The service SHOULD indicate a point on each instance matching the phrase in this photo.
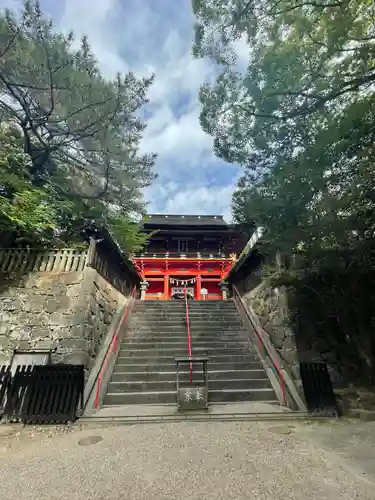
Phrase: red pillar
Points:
(166, 287)
(199, 286)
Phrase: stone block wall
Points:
(104, 302)
(271, 307)
(69, 311)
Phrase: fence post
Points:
(91, 252)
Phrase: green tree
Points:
(297, 117)
(78, 130)
(23, 207)
(128, 234)
(304, 57)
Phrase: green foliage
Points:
(298, 117)
(30, 211)
(14, 163)
(70, 147)
(128, 234)
(22, 206)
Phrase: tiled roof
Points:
(185, 220)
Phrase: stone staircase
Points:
(145, 370)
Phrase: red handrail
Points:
(261, 335)
(112, 348)
(188, 336)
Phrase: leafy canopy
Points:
(297, 116)
(76, 133)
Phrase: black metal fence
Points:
(41, 394)
(5, 377)
(319, 394)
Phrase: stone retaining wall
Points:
(70, 312)
(272, 307)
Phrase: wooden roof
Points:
(160, 220)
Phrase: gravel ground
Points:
(243, 460)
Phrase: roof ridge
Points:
(182, 216)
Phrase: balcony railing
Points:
(184, 255)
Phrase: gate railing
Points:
(41, 394)
(5, 377)
(319, 393)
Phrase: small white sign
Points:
(181, 290)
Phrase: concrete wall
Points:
(69, 311)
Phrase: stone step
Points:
(181, 318)
(181, 330)
(182, 310)
(178, 337)
(178, 303)
(169, 365)
(145, 369)
(132, 336)
(226, 308)
(174, 340)
(202, 325)
(181, 323)
(215, 396)
(182, 351)
(170, 385)
(119, 376)
(200, 341)
(182, 344)
(182, 334)
(181, 307)
(178, 313)
(217, 336)
(156, 360)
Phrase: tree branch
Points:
(306, 4)
(10, 43)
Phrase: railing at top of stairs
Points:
(286, 389)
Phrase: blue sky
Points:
(154, 36)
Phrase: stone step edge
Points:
(151, 393)
(249, 356)
(187, 371)
(171, 339)
(172, 349)
(182, 344)
(253, 362)
(216, 381)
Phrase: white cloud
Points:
(91, 18)
(179, 135)
(242, 49)
(202, 200)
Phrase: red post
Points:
(199, 287)
(166, 287)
